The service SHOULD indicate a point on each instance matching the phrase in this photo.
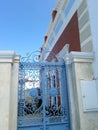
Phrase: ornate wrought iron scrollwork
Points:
(40, 92)
(31, 57)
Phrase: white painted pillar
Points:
(93, 15)
(8, 90)
(79, 67)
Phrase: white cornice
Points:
(79, 57)
(8, 56)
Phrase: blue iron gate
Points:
(42, 96)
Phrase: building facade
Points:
(74, 23)
(72, 35)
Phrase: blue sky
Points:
(24, 23)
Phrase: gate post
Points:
(79, 68)
(8, 90)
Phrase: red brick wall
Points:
(69, 36)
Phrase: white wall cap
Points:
(79, 57)
(8, 56)
(83, 55)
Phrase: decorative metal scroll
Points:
(42, 93)
(31, 57)
(35, 56)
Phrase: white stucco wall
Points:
(93, 9)
(79, 68)
(8, 90)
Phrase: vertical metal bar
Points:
(43, 97)
(60, 80)
(62, 86)
(46, 86)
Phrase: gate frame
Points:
(59, 63)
